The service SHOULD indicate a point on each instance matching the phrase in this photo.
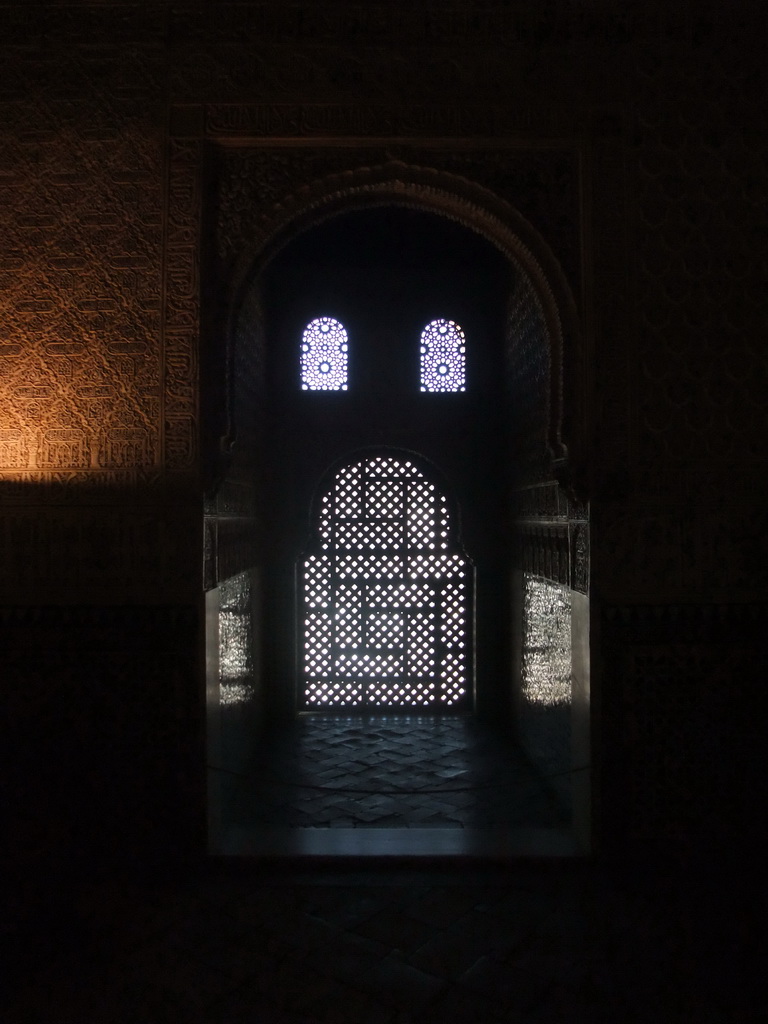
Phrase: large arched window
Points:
(443, 352)
(324, 350)
(386, 594)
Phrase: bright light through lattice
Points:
(324, 350)
(443, 353)
(386, 601)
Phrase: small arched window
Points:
(324, 346)
(443, 351)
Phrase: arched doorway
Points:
(501, 434)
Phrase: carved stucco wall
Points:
(235, 436)
(528, 369)
(684, 508)
(657, 218)
(98, 316)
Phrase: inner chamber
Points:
(368, 560)
(384, 643)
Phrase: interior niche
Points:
(385, 260)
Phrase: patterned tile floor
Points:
(392, 771)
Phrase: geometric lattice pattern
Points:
(544, 724)
(546, 666)
(443, 350)
(386, 600)
(324, 347)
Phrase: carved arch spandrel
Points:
(469, 204)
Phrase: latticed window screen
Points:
(386, 603)
(443, 352)
(324, 349)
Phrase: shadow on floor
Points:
(334, 784)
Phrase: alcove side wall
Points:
(551, 645)
(235, 686)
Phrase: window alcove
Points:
(417, 308)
